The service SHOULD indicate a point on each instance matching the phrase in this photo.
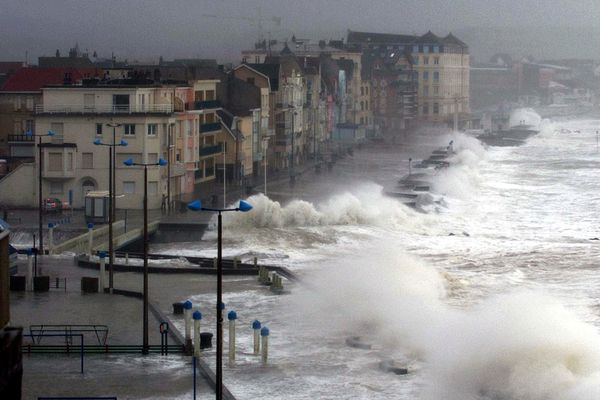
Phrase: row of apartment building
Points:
(284, 104)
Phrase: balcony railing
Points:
(210, 150)
(207, 104)
(21, 138)
(103, 109)
(214, 126)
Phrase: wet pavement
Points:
(152, 376)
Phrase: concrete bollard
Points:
(90, 238)
(126, 258)
(264, 333)
(197, 316)
(256, 328)
(277, 285)
(231, 316)
(50, 237)
(102, 275)
(215, 263)
(187, 315)
(29, 272)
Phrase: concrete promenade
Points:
(126, 376)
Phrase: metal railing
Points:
(103, 109)
(21, 138)
(202, 105)
(210, 150)
(215, 126)
(42, 330)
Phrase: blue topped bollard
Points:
(187, 315)
(264, 333)
(197, 316)
(256, 327)
(231, 316)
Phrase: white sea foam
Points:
(524, 116)
(364, 206)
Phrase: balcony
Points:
(62, 174)
(210, 150)
(177, 169)
(103, 109)
(211, 127)
(208, 104)
(20, 139)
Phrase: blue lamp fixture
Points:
(129, 163)
(112, 158)
(243, 206)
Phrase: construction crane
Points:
(259, 20)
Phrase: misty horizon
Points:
(144, 30)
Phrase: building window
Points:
(436, 90)
(436, 108)
(57, 128)
(362, 106)
(436, 76)
(152, 129)
(425, 75)
(436, 49)
(69, 161)
(29, 125)
(425, 60)
(436, 60)
(87, 160)
(98, 129)
(425, 108)
(129, 129)
(362, 120)
(129, 187)
(425, 90)
(56, 187)
(250, 80)
(415, 49)
(29, 104)
(55, 162)
(178, 155)
(362, 91)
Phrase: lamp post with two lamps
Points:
(40, 202)
(129, 162)
(243, 207)
(111, 194)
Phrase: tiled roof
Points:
(451, 39)
(378, 38)
(429, 38)
(271, 71)
(33, 79)
(10, 67)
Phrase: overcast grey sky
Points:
(141, 29)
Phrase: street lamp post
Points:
(129, 162)
(265, 143)
(40, 202)
(112, 162)
(292, 175)
(244, 207)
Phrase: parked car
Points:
(52, 205)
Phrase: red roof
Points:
(10, 67)
(34, 79)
